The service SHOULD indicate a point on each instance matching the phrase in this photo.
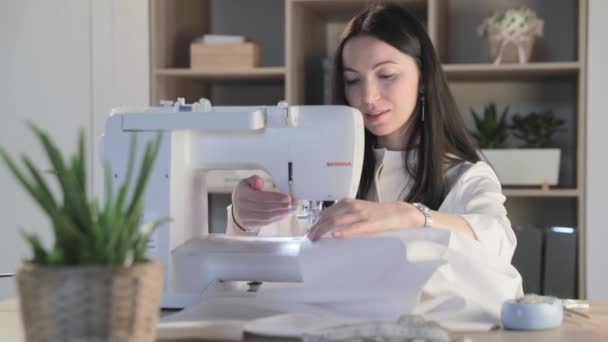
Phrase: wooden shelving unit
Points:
(541, 193)
(511, 72)
(555, 78)
(261, 73)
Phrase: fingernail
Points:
(336, 234)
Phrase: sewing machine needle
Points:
(290, 183)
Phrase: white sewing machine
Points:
(312, 152)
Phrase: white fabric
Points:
(475, 195)
(444, 276)
(459, 282)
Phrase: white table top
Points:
(10, 322)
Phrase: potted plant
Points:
(533, 163)
(537, 130)
(94, 283)
(511, 34)
(492, 131)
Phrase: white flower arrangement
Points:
(512, 27)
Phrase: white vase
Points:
(524, 166)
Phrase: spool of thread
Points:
(532, 312)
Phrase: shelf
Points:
(261, 73)
(541, 193)
(511, 72)
(557, 79)
(346, 9)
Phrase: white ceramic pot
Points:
(525, 166)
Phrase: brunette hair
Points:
(442, 137)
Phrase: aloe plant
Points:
(85, 232)
(492, 131)
(536, 129)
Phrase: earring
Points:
(422, 106)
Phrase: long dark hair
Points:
(442, 137)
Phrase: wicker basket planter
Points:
(511, 34)
(503, 50)
(90, 303)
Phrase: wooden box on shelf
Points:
(241, 55)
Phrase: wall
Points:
(121, 63)
(46, 77)
(597, 158)
(64, 65)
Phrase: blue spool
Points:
(546, 314)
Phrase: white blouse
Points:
(475, 194)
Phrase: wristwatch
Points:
(428, 219)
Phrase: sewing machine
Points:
(311, 152)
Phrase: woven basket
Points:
(90, 303)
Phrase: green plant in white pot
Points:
(533, 164)
(537, 130)
(492, 132)
(94, 283)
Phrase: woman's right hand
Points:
(254, 207)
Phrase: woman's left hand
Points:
(351, 217)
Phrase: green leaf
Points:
(68, 237)
(82, 159)
(141, 241)
(74, 200)
(55, 257)
(536, 129)
(40, 254)
(476, 117)
(53, 153)
(84, 232)
(109, 186)
(47, 200)
(150, 155)
(122, 193)
(12, 166)
(492, 131)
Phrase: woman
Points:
(420, 165)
